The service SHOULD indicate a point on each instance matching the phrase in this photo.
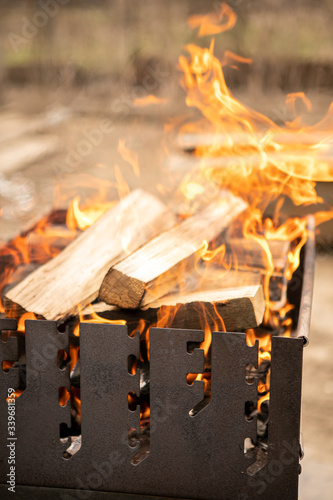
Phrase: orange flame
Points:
(130, 156)
(84, 218)
(210, 24)
(150, 99)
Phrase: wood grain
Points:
(230, 309)
(74, 277)
(155, 269)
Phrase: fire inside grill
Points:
(139, 296)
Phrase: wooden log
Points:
(212, 277)
(232, 309)
(239, 308)
(154, 270)
(203, 280)
(74, 277)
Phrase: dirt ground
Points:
(65, 167)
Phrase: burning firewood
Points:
(153, 271)
(83, 264)
(216, 296)
(234, 309)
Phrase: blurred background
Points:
(70, 72)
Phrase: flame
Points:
(150, 99)
(210, 24)
(75, 397)
(7, 365)
(260, 168)
(260, 161)
(130, 156)
(84, 218)
(64, 396)
(122, 186)
(15, 395)
(261, 400)
(90, 316)
(38, 245)
(230, 58)
(21, 321)
(208, 255)
(191, 189)
(291, 102)
(74, 356)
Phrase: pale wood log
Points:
(155, 269)
(230, 309)
(206, 279)
(74, 277)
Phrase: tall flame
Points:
(257, 160)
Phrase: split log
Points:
(154, 270)
(74, 277)
(210, 279)
(239, 308)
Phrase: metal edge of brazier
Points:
(198, 457)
